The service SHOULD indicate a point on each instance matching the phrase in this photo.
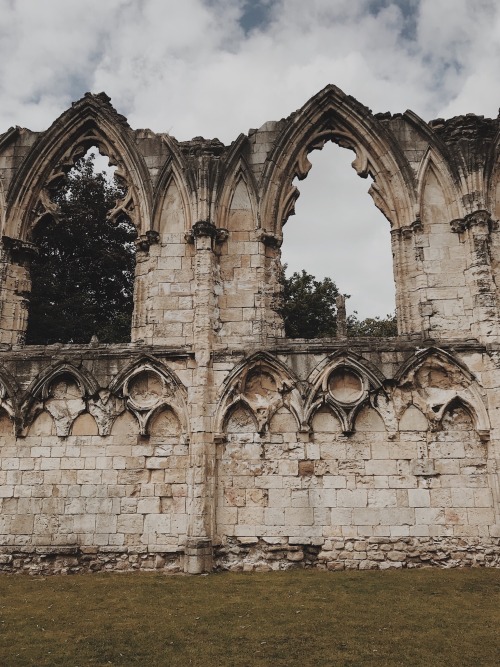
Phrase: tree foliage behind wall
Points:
(309, 310)
(83, 275)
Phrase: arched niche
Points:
(6, 424)
(283, 421)
(240, 420)
(241, 213)
(147, 386)
(325, 422)
(84, 425)
(368, 420)
(42, 425)
(413, 419)
(242, 439)
(458, 437)
(444, 255)
(262, 383)
(164, 424)
(125, 426)
(172, 214)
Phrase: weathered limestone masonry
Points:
(213, 441)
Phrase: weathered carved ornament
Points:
(126, 207)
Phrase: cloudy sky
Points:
(219, 67)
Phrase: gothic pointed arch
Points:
(173, 173)
(9, 392)
(349, 358)
(492, 177)
(440, 152)
(333, 116)
(242, 413)
(478, 417)
(344, 382)
(432, 380)
(264, 385)
(92, 121)
(416, 360)
(236, 170)
(40, 386)
(63, 390)
(433, 163)
(146, 386)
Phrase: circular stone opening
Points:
(345, 386)
(146, 389)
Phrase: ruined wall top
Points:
(437, 183)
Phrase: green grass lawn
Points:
(307, 618)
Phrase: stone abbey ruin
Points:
(211, 440)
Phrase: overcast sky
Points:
(219, 67)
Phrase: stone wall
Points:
(213, 441)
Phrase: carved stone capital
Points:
(458, 226)
(269, 239)
(205, 228)
(20, 252)
(145, 241)
(409, 231)
(480, 220)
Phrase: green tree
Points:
(373, 326)
(309, 310)
(82, 277)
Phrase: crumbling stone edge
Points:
(263, 555)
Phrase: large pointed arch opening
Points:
(338, 233)
(332, 116)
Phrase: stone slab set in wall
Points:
(211, 440)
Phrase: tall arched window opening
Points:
(82, 273)
(338, 233)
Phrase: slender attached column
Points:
(475, 229)
(15, 261)
(201, 476)
(411, 280)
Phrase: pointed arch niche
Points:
(441, 254)
(338, 232)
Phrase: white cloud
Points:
(200, 68)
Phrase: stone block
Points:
(352, 498)
(419, 498)
(299, 516)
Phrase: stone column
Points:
(268, 297)
(16, 287)
(475, 229)
(410, 279)
(341, 316)
(201, 476)
(145, 265)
